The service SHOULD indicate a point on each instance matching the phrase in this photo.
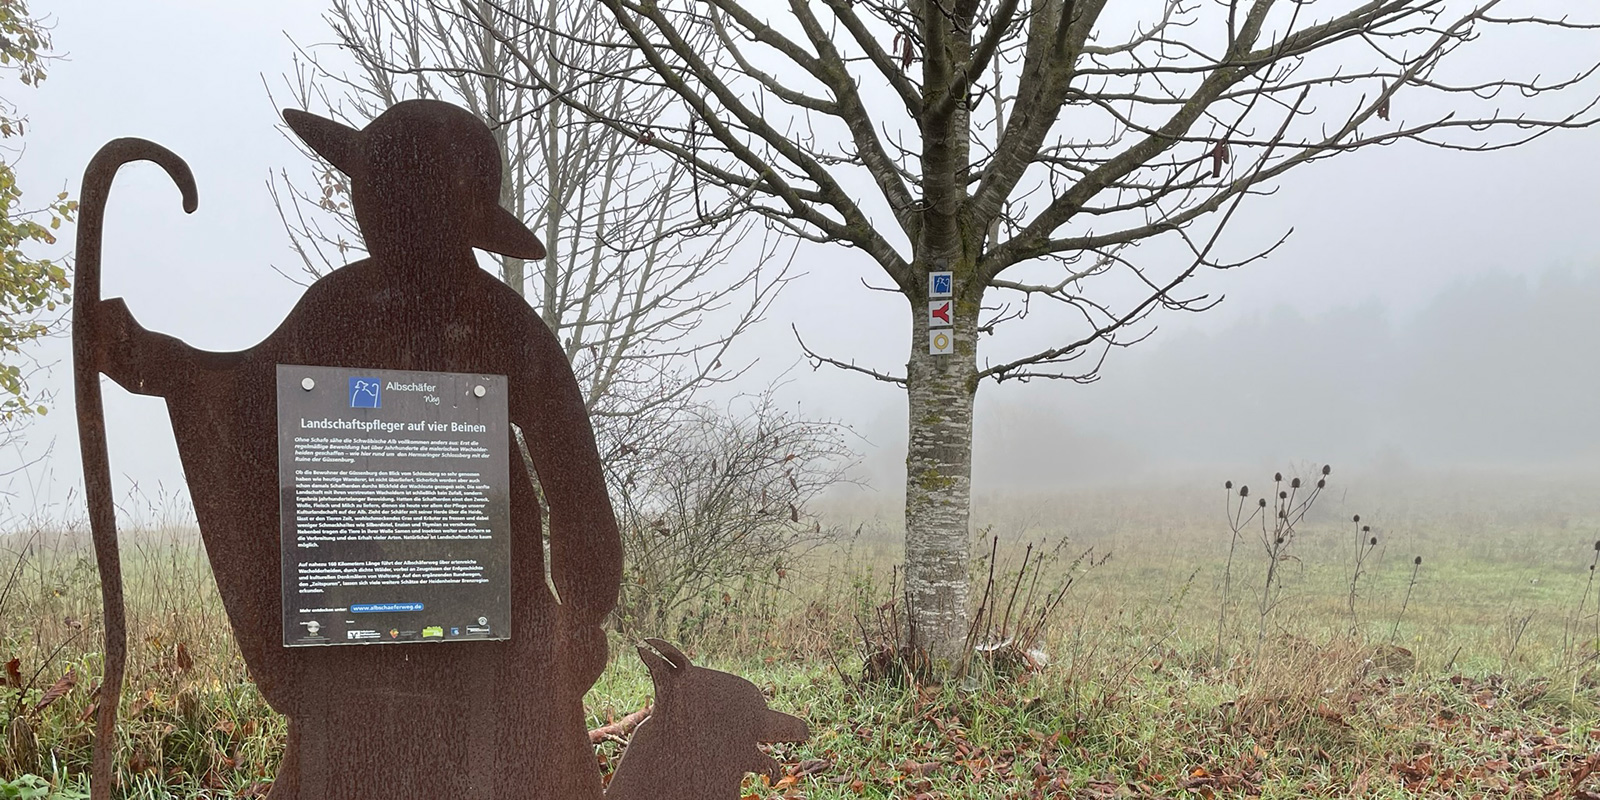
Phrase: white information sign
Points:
(941, 284)
(941, 342)
(939, 313)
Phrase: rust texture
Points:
(701, 738)
(477, 720)
(91, 421)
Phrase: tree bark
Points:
(940, 391)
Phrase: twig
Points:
(1365, 544)
(1577, 622)
(820, 359)
(621, 727)
(1005, 624)
(1416, 566)
(16, 569)
(977, 618)
(1236, 523)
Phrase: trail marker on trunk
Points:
(941, 313)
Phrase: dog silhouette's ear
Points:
(672, 653)
(338, 143)
(663, 673)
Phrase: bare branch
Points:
(819, 360)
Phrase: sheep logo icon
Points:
(364, 393)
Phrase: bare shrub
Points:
(1278, 518)
(716, 505)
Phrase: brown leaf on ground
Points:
(14, 673)
(140, 763)
(213, 780)
(57, 691)
(815, 766)
(1576, 775)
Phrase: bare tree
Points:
(1076, 155)
(638, 283)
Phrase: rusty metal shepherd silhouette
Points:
(491, 719)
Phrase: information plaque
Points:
(394, 506)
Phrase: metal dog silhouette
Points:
(701, 738)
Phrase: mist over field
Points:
(1495, 374)
(1468, 417)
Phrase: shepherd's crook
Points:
(87, 350)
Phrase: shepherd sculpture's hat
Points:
(418, 137)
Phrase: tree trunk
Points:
(940, 389)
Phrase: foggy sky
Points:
(1494, 370)
(1429, 307)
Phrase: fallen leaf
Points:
(56, 691)
(814, 766)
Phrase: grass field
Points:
(1472, 674)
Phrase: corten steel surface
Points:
(91, 420)
(471, 720)
(701, 738)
